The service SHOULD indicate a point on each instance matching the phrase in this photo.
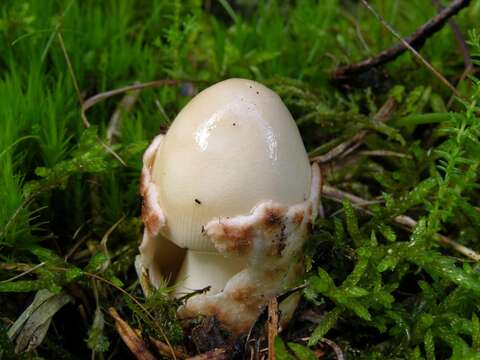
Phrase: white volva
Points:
(233, 147)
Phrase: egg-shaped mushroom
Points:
(229, 198)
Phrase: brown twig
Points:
(87, 104)
(382, 115)
(415, 53)
(272, 326)
(384, 153)
(26, 272)
(336, 349)
(216, 354)
(411, 42)
(339, 195)
(164, 350)
(130, 338)
(15, 266)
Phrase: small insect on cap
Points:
(232, 147)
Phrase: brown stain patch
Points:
(243, 294)
(234, 238)
(249, 297)
(272, 217)
(277, 238)
(151, 219)
(212, 310)
(298, 217)
(282, 240)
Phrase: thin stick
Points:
(125, 105)
(332, 344)
(72, 75)
(272, 326)
(336, 151)
(55, 31)
(335, 348)
(382, 115)
(15, 266)
(338, 195)
(103, 242)
(76, 246)
(407, 45)
(414, 40)
(385, 153)
(164, 350)
(85, 121)
(162, 110)
(139, 304)
(23, 273)
(216, 354)
(130, 337)
(87, 104)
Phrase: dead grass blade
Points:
(130, 338)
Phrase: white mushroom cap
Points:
(232, 147)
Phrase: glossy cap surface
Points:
(233, 146)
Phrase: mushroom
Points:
(229, 199)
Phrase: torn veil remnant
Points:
(229, 199)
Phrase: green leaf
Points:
(443, 267)
(31, 327)
(328, 322)
(97, 341)
(97, 263)
(48, 256)
(73, 274)
(22, 286)
(414, 354)
(387, 232)
(355, 292)
(388, 263)
(359, 270)
(359, 309)
(352, 223)
(429, 344)
(281, 352)
(302, 352)
(321, 283)
(475, 333)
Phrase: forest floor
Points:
(392, 266)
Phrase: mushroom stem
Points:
(201, 269)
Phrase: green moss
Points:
(384, 291)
